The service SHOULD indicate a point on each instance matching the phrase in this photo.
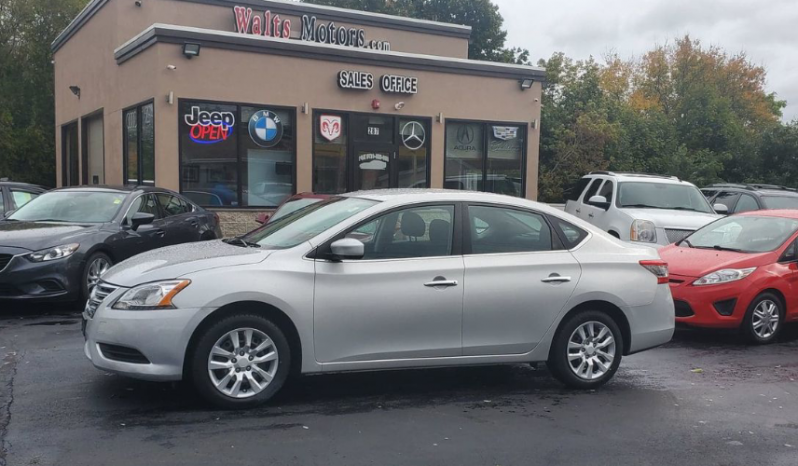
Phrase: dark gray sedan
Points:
(57, 246)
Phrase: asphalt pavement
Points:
(703, 399)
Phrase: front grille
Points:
(4, 260)
(677, 235)
(98, 295)
(683, 309)
(123, 354)
(51, 286)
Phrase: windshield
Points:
(662, 196)
(780, 202)
(72, 207)
(308, 222)
(744, 234)
(292, 206)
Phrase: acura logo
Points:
(413, 135)
(465, 135)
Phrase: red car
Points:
(291, 205)
(738, 272)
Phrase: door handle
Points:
(160, 233)
(554, 278)
(441, 282)
(578, 211)
(590, 215)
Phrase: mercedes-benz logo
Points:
(465, 135)
(413, 135)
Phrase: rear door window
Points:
(173, 205)
(571, 235)
(497, 230)
(606, 190)
(145, 204)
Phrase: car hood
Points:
(695, 263)
(177, 261)
(675, 219)
(35, 236)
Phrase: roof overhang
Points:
(285, 7)
(171, 34)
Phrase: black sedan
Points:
(57, 246)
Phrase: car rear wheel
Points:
(586, 350)
(240, 362)
(97, 265)
(763, 320)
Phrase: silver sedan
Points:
(382, 280)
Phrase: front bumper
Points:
(160, 336)
(58, 280)
(697, 304)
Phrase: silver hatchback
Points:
(382, 280)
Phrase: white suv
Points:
(647, 209)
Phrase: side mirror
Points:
(347, 248)
(263, 219)
(141, 218)
(721, 209)
(599, 201)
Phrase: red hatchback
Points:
(738, 272)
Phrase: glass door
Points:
(373, 166)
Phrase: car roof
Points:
(409, 195)
(781, 213)
(761, 189)
(112, 189)
(640, 177)
(17, 184)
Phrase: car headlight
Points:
(724, 276)
(151, 296)
(643, 231)
(51, 254)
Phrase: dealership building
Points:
(241, 103)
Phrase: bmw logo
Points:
(265, 128)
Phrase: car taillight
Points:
(658, 268)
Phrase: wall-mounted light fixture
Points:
(171, 67)
(305, 108)
(526, 83)
(138, 3)
(191, 50)
(170, 98)
(399, 106)
(440, 118)
(534, 124)
(75, 90)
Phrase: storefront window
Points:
(485, 157)
(236, 156)
(329, 154)
(412, 154)
(139, 145)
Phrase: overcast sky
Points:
(767, 30)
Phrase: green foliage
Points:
(697, 113)
(27, 112)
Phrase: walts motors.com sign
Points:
(312, 30)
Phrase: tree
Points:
(27, 108)
(487, 36)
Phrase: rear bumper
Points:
(652, 325)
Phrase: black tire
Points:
(558, 362)
(198, 372)
(84, 285)
(748, 321)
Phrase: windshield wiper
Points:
(239, 241)
(685, 208)
(685, 241)
(642, 206)
(721, 248)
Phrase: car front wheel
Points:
(763, 319)
(587, 350)
(240, 362)
(97, 265)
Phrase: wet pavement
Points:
(703, 399)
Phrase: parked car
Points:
(14, 195)
(291, 205)
(739, 272)
(57, 246)
(382, 280)
(646, 209)
(737, 198)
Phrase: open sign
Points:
(209, 127)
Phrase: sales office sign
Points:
(389, 83)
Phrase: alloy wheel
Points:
(97, 267)
(591, 350)
(765, 320)
(242, 363)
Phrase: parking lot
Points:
(703, 399)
